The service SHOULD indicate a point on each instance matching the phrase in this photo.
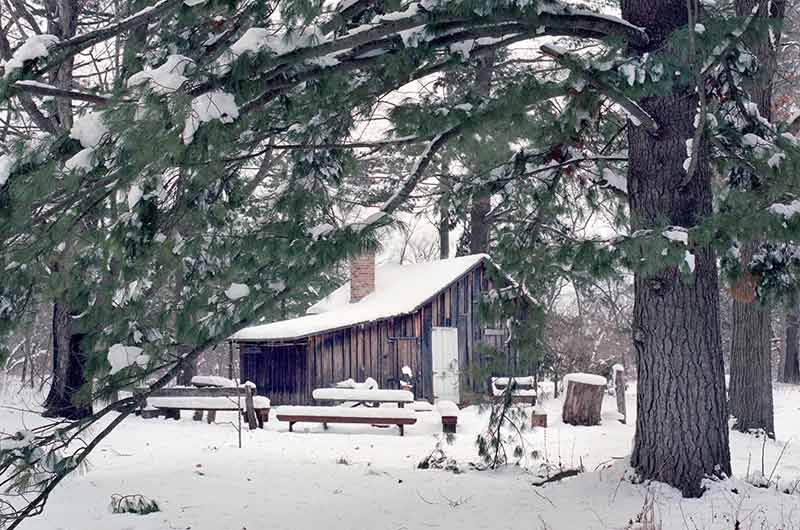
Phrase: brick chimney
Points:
(362, 275)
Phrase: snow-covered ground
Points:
(356, 477)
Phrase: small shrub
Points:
(138, 504)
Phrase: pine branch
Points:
(65, 49)
(42, 89)
(631, 107)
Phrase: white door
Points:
(444, 350)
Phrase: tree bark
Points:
(69, 377)
(444, 234)
(681, 429)
(791, 354)
(482, 198)
(583, 403)
(750, 393)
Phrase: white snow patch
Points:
(83, 160)
(6, 166)
(447, 408)
(214, 105)
(121, 356)
(368, 384)
(89, 129)
(320, 230)
(19, 441)
(615, 180)
(677, 234)
(213, 380)
(689, 258)
(586, 379)
(165, 79)
(237, 291)
(358, 394)
(134, 196)
(786, 210)
(35, 47)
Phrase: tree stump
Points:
(583, 399)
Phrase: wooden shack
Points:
(424, 316)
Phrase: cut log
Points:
(583, 399)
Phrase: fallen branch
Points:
(561, 475)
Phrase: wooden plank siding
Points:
(288, 372)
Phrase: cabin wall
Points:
(279, 370)
(380, 350)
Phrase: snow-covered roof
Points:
(399, 290)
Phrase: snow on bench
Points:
(368, 384)
(212, 380)
(205, 403)
(353, 394)
(449, 412)
(525, 387)
(374, 416)
(422, 406)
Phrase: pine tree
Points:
(227, 157)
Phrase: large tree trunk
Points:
(750, 392)
(68, 359)
(481, 198)
(681, 429)
(750, 395)
(791, 353)
(69, 377)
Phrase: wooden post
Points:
(230, 359)
(583, 399)
(619, 390)
(211, 417)
(250, 408)
(198, 415)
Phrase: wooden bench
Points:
(524, 389)
(449, 412)
(171, 401)
(325, 415)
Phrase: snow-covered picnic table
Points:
(377, 416)
(209, 400)
(363, 397)
(524, 388)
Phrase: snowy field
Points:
(356, 477)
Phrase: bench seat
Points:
(325, 415)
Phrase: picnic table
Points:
(524, 388)
(349, 398)
(170, 401)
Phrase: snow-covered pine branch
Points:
(633, 109)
